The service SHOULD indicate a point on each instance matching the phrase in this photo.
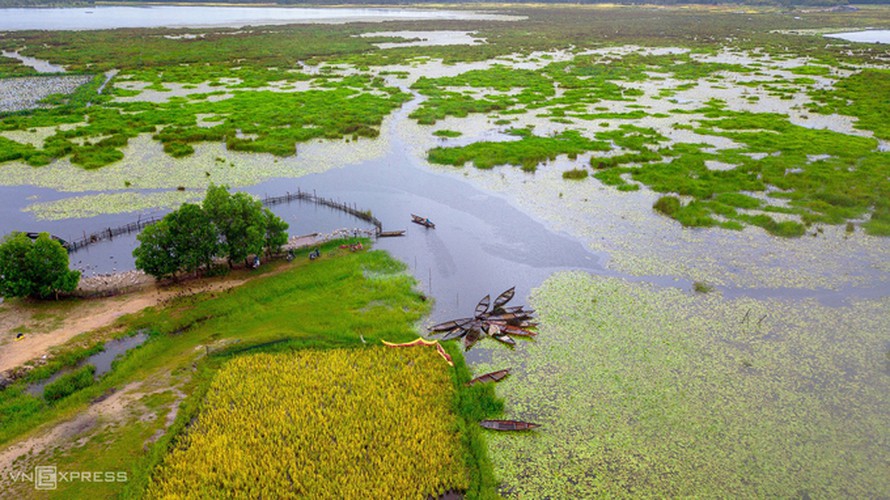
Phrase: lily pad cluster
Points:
(494, 320)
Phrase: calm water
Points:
(101, 360)
(868, 36)
(109, 17)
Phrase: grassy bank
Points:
(331, 303)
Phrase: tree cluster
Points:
(35, 268)
(225, 225)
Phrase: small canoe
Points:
(423, 221)
(482, 306)
(450, 325)
(519, 332)
(505, 339)
(504, 298)
(34, 236)
(390, 234)
(508, 425)
(505, 318)
(490, 377)
(454, 334)
(473, 335)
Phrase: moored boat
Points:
(390, 234)
(490, 377)
(508, 425)
(423, 221)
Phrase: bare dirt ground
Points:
(89, 315)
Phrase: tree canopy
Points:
(233, 226)
(35, 268)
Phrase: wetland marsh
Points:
(695, 200)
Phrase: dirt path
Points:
(89, 315)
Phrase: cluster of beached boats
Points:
(502, 323)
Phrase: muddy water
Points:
(101, 360)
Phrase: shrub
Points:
(70, 383)
(668, 205)
(575, 174)
(37, 268)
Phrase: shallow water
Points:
(867, 36)
(109, 17)
(101, 360)
(38, 64)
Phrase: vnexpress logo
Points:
(45, 477)
(48, 477)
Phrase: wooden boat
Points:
(520, 332)
(423, 221)
(505, 339)
(482, 306)
(34, 236)
(472, 336)
(450, 325)
(390, 234)
(508, 425)
(504, 298)
(490, 377)
(454, 334)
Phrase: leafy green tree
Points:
(276, 232)
(191, 236)
(156, 253)
(242, 223)
(37, 268)
(195, 238)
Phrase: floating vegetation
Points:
(863, 95)
(767, 179)
(529, 151)
(110, 203)
(253, 121)
(664, 393)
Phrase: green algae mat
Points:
(662, 392)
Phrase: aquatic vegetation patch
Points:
(664, 392)
(528, 151)
(864, 95)
(298, 424)
(447, 133)
(10, 66)
(253, 121)
(575, 174)
(847, 182)
(110, 203)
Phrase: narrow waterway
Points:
(39, 65)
